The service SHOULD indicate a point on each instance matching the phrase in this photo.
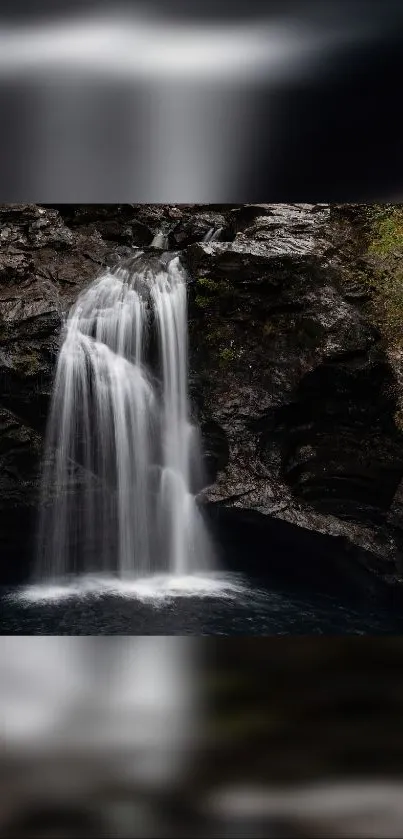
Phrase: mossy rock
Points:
(202, 302)
(219, 341)
(268, 328)
(220, 333)
(213, 288)
(380, 272)
(227, 354)
(28, 363)
(387, 231)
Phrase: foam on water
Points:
(156, 589)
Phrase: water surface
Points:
(196, 605)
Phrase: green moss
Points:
(375, 267)
(219, 334)
(386, 279)
(28, 363)
(202, 302)
(213, 287)
(206, 283)
(387, 228)
(268, 328)
(389, 305)
(214, 336)
(227, 354)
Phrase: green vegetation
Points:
(210, 291)
(28, 363)
(385, 279)
(268, 328)
(202, 302)
(374, 266)
(213, 287)
(389, 305)
(387, 226)
(218, 334)
(227, 354)
(220, 337)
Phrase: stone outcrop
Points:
(295, 381)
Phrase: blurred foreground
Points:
(168, 736)
(167, 101)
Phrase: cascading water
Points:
(213, 234)
(160, 241)
(121, 452)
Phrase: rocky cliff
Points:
(292, 378)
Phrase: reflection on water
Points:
(96, 696)
(161, 737)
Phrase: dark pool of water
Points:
(236, 607)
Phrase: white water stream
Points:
(121, 452)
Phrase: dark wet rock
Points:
(267, 249)
(114, 222)
(296, 377)
(44, 264)
(197, 227)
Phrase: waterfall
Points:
(121, 453)
(160, 241)
(213, 234)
